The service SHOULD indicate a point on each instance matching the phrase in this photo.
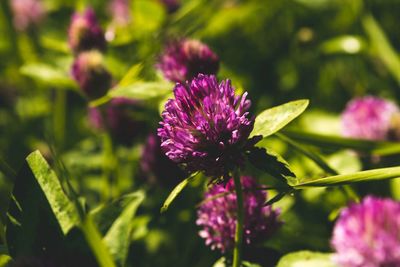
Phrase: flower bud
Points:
(91, 75)
(183, 60)
(85, 33)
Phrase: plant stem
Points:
(237, 252)
(59, 117)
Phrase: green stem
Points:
(59, 118)
(108, 162)
(237, 252)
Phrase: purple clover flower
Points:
(89, 72)
(217, 215)
(26, 13)
(206, 127)
(368, 117)
(185, 59)
(85, 33)
(367, 234)
(119, 118)
(158, 168)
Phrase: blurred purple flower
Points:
(26, 13)
(171, 5)
(120, 11)
(217, 215)
(206, 127)
(118, 118)
(158, 168)
(367, 234)
(368, 117)
(91, 75)
(85, 33)
(185, 59)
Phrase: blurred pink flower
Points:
(367, 234)
(26, 13)
(368, 117)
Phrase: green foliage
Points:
(272, 120)
(64, 210)
(118, 236)
(371, 175)
(306, 259)
(48, 75)
(175, 192)
(106, 211)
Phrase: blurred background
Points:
(328, 51)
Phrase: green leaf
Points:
(381, 45)
(31, 225)
(270, 162)
(118, 236)
(314, 156)
(306, 259)
(143, 90)
(95, 242)
(139, 90)
(379, 148)
(363, 176)
(63, 208)
(175, 192)
(272, 120)
(48, 75)
(5, 260)
(131, 76)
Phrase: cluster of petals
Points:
(218, 214)
(368, 234)
(206, 127)
(368, 117)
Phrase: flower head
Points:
(91, 75)
(157, 167)
(26, 13)
(119, 118)
(217, 215)
(85, 33)
(185, 59)
(368, 117)
(206, 127)
(367, 234)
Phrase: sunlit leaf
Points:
(143, 90)
(314, 156)
(95, 242)
(131, 76)
(272, 120)
(306, 259)
(63, 208)
(118, 236)
(363, 176)
(48, 75)
(5, 260)
(175, 192)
